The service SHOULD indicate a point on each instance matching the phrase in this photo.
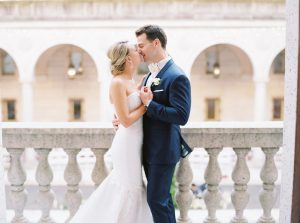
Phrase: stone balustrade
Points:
(213, 137)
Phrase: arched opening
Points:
(222, 84)
(66, 86)
(275, 89)
(10, 89)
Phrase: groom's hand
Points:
(116, 122)
(146, 95)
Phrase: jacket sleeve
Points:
(180, 103)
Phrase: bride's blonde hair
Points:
(117, 54)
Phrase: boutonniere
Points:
(156, 81)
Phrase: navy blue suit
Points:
(169, 108)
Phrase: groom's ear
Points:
(156, 42)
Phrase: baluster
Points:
(184, 195)
(268, 175)
(17, 177)
(241, 177)
(212, 176)
(99, 171)
(44, 177)
(72, 176)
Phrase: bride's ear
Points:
(128, 59)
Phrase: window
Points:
(76, 109)
(9, 110)
(8, 65)
(279, 63)
(277, 108)
(212, 109)
(211, 60)
(76, 60)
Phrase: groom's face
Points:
(146, 48)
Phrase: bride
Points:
(121, 198)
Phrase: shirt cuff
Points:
(148, 103)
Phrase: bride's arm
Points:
(119, 98)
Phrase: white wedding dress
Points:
(121, 198)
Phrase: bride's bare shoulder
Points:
(117, 82)
(117, 87)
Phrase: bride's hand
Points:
(146, 95)
(116, 122)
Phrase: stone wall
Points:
(2, 192)
(92, 9)
(291, 121)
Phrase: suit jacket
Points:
(169, 108)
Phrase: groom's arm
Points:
(180, 103)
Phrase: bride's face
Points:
(134, 55)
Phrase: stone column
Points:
(17, 177)
(290, 188)
(260, 100)
(184, 195)
(2, 185)
(106, 109)
(99, 172)
(27, 112)
(44, 177)
(260, 107)
(27, 101)
(212, 176)
(73, 177)
(240, 177)
(268, 175)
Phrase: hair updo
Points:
(117, 54)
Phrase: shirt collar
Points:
(156, 67)
(163, 62)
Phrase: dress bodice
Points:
(134, 100)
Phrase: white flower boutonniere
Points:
(156, 81)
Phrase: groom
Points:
(168, 105)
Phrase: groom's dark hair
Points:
(152, 32)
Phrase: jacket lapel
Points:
(146, 79)
(162, 71)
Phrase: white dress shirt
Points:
(154, 69)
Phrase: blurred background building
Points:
(54, 66)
